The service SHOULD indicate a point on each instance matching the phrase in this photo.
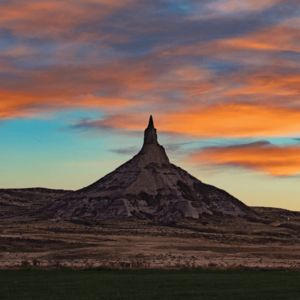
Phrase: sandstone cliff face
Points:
(148, 186)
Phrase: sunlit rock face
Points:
(149, 187)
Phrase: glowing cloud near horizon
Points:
(270, 159)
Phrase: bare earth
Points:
(218, 242)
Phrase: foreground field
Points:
(148, 284)
(31, 238)
(210, 243)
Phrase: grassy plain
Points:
(102, 284)
(217, 243)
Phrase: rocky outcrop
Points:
(148, 186)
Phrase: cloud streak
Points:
(261, 156)
(225, 120)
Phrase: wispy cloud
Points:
(224, 120)
(260, 156)
(236, 6)
(126, 151)
(55, 19)
(217, 75)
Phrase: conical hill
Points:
(149, 187)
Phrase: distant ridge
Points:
(148, 187)
(20, 201)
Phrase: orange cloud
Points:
(224, 120)
(11, 104)
(26, 105)
(280, 38)
(234, 120)
(274, 160)
(268, 84)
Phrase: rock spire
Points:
(152, 151)
(150, 135)
(151, 124)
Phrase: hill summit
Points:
(149, 187)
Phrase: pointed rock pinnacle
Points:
(150, 136)
(152, 151)
(151, 124)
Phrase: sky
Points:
(80, 78)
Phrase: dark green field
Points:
(148, 284)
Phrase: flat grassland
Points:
(30, 238)
(148, 284)
(212, 243)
